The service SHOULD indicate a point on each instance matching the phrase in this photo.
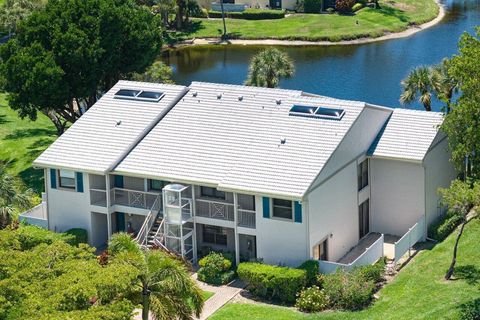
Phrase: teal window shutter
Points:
(79, 181)
(53, 178)
(266, 207)
(298, 212)
(118, 182)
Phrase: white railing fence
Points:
(36, 216)
(135, 198)
(371, 255)
(414, 234)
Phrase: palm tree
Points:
(445, 85)
(418, 85)
(167, 290)
(267, 67)
(12, 197)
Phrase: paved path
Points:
(222, 295)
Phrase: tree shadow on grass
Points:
(30, 132)
(3, 119)
(470, 310)
(393, 12)
(470, 273)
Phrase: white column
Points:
(235, 219)
(109, 215)
(194, 235)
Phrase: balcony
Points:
(126, 197)
(215, 209)
(246, 218)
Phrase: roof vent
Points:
(219, 96)
(118, 123)
(283, 140)
(279, 102)
(240, 98)
(317, 112)
(195, 93)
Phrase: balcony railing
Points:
(215, 209)
(246, 218)
(126, 197)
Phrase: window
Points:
(212, 193)
(362, 174)
(320, 251)
(66, 179)
(156, 185)
(214, 235)
(282, 209)
(364, 218)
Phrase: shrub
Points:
(348, 290)
(312, 300)
(443, 227)
(312, 6)
(272, 282)
(250, 14)
(357, 6)
(344, 6)
(311, 269)
(373, 273)
(80, 236)
(215, 269)
(31, 236)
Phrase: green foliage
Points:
(312, 300)
(374, 273)
(272, 282)
(344, 6)
(250, 14)
(215, 269)
(443, 227)
(31, 236)
(357, 6)
(312, 6)
(122, 242)
(470, 310)
(311, 269)
(12, 12)
(80, 236)
(71, 51)
(158, 72)
(267, 67)
(348, 290)
(460, 197)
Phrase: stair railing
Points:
(142, 236)
(156, 239)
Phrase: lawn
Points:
(419, 291)
(21, 141)
(207, 295)
(393, 16)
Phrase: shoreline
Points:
(269, 42)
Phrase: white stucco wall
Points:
(280, 242)
(333, 210)
(68, 208)
(439, 174)
(397, 195)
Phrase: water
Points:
(367, 72)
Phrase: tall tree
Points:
(12, 12)
(268, 66)
(158, 72)
(65, 56)
(462, 123)
(418, 85)
(167, 290)
(165, 8)
(444, 84)
(13, 197)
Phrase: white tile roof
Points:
(95, 142)
(235, 144)
(407, 135)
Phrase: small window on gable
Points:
(212, 193)
(282, 209)
(362, 173)
(66, 179)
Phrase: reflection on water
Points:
(367, 72)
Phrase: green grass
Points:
(418, 292)
(394, 16)
(21, 141)
(207, 295)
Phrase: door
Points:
(364, 218)
(320, 251)
(120, 219)
(275, 4)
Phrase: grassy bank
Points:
(21, 141)
(394, 16)
(419, 291)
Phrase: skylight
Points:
(152, 96)
(317, 112)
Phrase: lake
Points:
(367, 72)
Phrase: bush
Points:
(215, 269)
(344, 6)
(373, 273)
(312, 300)
(312, 6)
(32, 236)
(470, 310)
(250, 14)
(443, 227)
(272, 282)
(311, 269)
(80, 236)
(348, 290)
(357, 6)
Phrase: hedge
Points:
(31, 236)
(215, 269)
(312, 6)
(443, 227)
(80, 235)
(311, 269)
(250, 14)
(272, 282)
